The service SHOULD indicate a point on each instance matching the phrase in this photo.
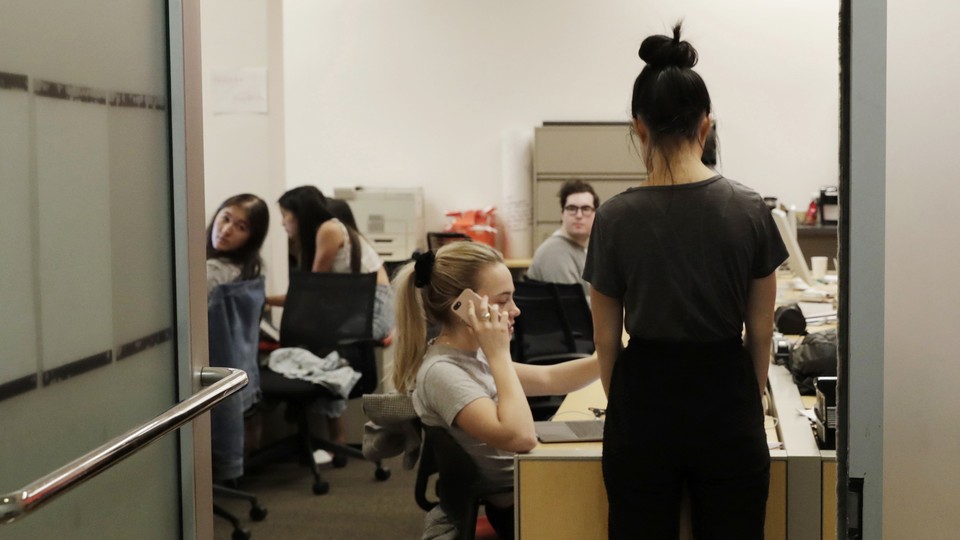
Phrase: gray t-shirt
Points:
(220, 271)
(559, 259)
(682, 257)
(449, 380)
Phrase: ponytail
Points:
(427, 294)
(411, 331)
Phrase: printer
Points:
(390, 218)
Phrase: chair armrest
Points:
(550, 359)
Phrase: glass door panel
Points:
(87, 293)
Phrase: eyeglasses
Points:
(572, 210)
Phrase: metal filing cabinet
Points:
(603, 154)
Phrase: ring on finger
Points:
(486, 316)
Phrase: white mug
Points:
(818, 267)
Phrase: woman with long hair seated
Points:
(234, 238)
(319, 242)
(464, 380)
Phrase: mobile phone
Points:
(460, 304)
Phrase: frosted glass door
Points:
(87, 310)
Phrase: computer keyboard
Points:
(590, 428)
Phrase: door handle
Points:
(217, 382)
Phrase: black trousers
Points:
(682, 414)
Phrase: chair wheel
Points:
(258, 513)
(321, 488)
(382, 474)
(339, 461)
(240, 534)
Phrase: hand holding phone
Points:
(494, 338)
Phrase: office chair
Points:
(458, 486)
(554, 319)
(435, 240)
(391, 267)
(233, 319)
(323, 312)
(544, 333)
(576, 309)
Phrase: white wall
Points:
(420, 92)
(244, 152)
(921, 433)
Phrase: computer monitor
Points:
(796, 260)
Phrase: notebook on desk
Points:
(569, 431)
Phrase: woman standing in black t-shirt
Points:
(689, 259)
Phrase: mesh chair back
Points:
(576, 310)
(459, 485)
(325, 311)
(541, 329)
(435, 240)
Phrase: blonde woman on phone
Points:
(464, 380)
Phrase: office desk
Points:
(518, 264)
(559, 487)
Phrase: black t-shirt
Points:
(682, 257)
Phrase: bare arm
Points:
(276, 300)
(607, 332)
(506, 424)
(329, 240)
(759, 325)
(558, 379)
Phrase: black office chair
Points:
(391, 267)
(554, 319)
(323, 312)
(436, 240)
(458, 488)
(544, 333)
(576, 310)
(233, 318)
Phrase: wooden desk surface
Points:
(518, 264)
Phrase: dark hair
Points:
(571, 187)
(309, 206)
(247, 256)
(711, 152)
(341, 210)
(668, 96)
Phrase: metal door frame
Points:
(863, 40)
(186, 137)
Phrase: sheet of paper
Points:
(809, 413)
(239, 90)
(817, 309)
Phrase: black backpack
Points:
(815, 356)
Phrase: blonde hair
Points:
(455, 269)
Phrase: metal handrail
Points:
(219, 383)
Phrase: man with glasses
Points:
(560, 258)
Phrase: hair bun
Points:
(663, 51)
